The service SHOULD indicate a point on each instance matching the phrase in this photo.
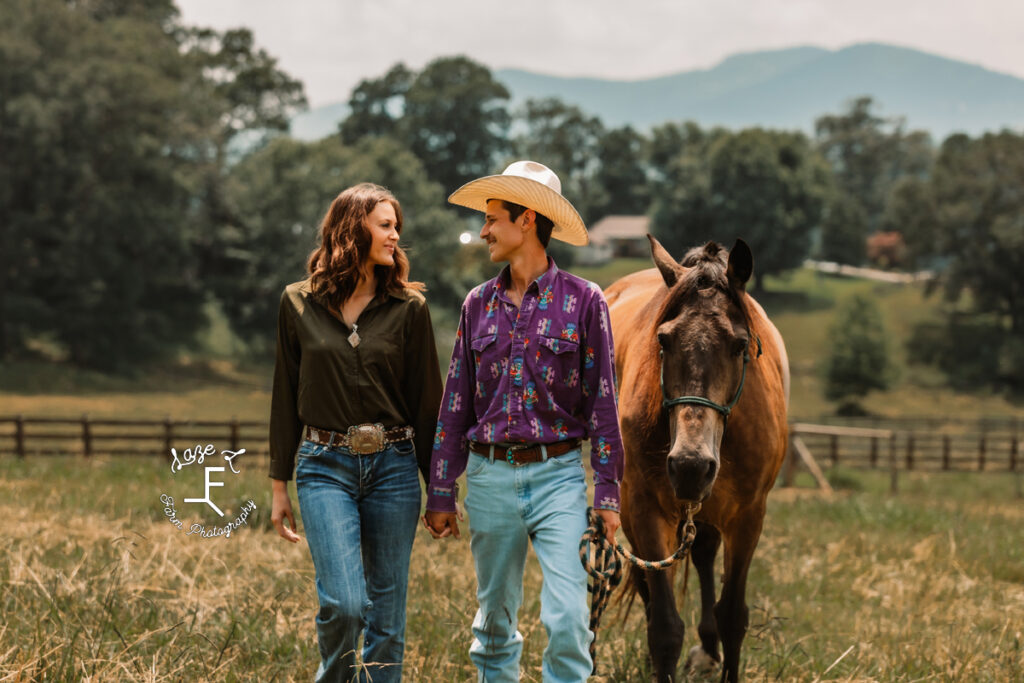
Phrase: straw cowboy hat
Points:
(528, 184)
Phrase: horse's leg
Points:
(705, 547)
(664, 627)
(731, 612)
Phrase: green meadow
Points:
(97, 584)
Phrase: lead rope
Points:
(601, 561)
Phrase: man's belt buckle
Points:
(510, 451)
(366, 438)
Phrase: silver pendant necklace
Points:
(353, 339)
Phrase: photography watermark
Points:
(211, 480)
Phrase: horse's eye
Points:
(662, 340)
(739, 346)
(703, 282)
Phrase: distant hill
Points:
(318, 122)
(786, 88)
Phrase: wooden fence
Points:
(906, 445)
(87, 436)
(927, 444)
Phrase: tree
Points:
(868, 155)
(976, 186)
(452, 115)
(376, 105)
(680, 184)
(620, 181)
(859, 359)
(844, 227)
(767, 187)
(565, 139)
(110, 124)
(93, 252)
(281, 194)
(910, 210)
(455, 120)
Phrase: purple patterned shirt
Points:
(540, 373)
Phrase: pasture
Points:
(96, 584)
(99, 585)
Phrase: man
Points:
(531, 374)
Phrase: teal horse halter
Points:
(700, 400)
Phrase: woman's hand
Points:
(282, 510)
(441, 524)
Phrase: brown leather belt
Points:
(524, 453)
(362, 439)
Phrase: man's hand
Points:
(611, 523)
(442, 524)
(282, 510)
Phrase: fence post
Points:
(86, 436)
(19, 435)
(234, 433)
(894, 484)
(168, 437)
(834, 450)
(910, 451)
(981, 452)
(946, 449)
(789, 464)
(874, 452)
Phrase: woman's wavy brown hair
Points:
(336, 266)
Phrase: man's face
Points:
(503, 235)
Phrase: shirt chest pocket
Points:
(490, 364)
(557, 361)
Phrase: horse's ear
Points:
(741, 265)
(669, 267)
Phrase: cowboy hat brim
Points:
(569, 226)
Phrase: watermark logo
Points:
(198, 455)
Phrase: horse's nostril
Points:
(692, 476)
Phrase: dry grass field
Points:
(96, 584)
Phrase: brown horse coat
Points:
(750, 445)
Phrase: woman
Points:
(356, 393)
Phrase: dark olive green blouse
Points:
(391, 376)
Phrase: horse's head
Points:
(703, 333)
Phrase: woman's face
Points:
(383, 227)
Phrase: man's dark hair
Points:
(544, 224)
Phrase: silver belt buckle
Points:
(366, 438)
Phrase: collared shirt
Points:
(391, 377)
(538, 373)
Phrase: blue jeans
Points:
(360, 514)
(544, 503)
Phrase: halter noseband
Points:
(700, 400)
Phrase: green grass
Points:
(925, 585)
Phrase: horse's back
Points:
(629, 295)
(628, 298)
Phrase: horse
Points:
(703, 393)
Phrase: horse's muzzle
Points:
(692, 476)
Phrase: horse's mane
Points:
(707, 267)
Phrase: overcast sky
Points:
(331, 44)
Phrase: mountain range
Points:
(787, 88)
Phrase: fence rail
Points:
(916, 444)
(22, 436)
(906, 446)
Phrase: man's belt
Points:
(524, 453)
(362, 439)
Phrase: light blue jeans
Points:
(544, 503)
(360, 514)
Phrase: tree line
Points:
(147, 173)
